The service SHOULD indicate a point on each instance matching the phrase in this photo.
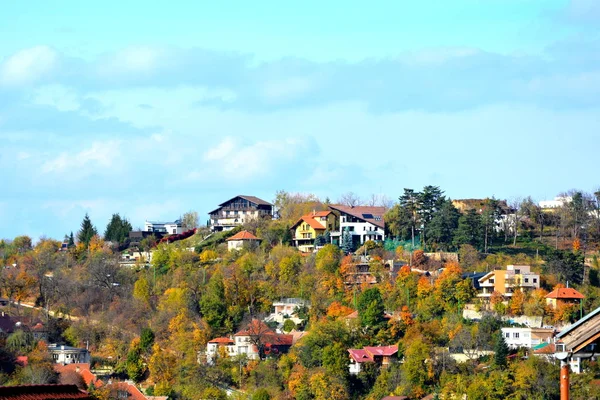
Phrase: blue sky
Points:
(151, 109)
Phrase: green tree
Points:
(87, 231)
(490, 214)
(409, 205)
(371, 309)
(117, 229)
(146, 339)
(135, 364)
(443, 225)
(500, 351)
(469, 229)
(430, 201)
(347, 244)
(71, 242)
(212, 303)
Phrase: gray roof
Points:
(582, 321)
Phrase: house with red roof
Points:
(256, 341)
(380, 355)
(310, 226)
(560, 296)
(241, 239)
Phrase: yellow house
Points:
(309, 226)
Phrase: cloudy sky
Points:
(151, 109)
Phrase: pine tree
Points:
(501, 351)
(117, 229)
(71, 240)
(87, 231)
(347, 245)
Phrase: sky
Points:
(152, 109)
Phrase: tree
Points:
(469, 229)
(568, 266)
(500, 351)
(117, 229)
(349, 199)
(443, 225)
(371, 309)
(409, 204)
(87, 231)
(347, 243)
(189, 220)
(71, 242)
(328, 258)
(489, 216)
(146, 339)
(430, 201)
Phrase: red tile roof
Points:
(83, 369)
(368, 353)
(133, 392)
(565, 293)
(243, 235)
(222, 340)
(42, 392)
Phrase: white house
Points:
(237, 241)
(286, 309)
(62, 354)
(169, 228)
(362, 222)
(527, 337)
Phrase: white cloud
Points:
(99, 155)
(132, 60)
(221, 151)
(28, 66)
(286, 89)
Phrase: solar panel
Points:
(367, 216)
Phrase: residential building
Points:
(237, 211)
(62, 354)
(309, 226)
(505, 282)
(369, 270)
(133, 258)
(255, 341)
(362, 222)
(380, 355)
(527, 337)
(558, 202)
(241, 239)
(560, 296)
(287, 309)
(165, 228)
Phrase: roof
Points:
(255, 327)
(268, 337)
(42, 392)
(222, 340)
(243, 235)
(83, 369)
(544, 348)
(579, 323)
(310, 219)
(368, 353)
(565, 293)
(133, 392)
(252, 199)
(373, 215)
(7, 324)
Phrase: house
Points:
(505, 282)
(43, 392)
(558, 202)
(83, 369)
(237, 211)
(133, 258)
(287, 309)
(127, 390)
(136, 237)
(220, 347)
(255, 341)
(527, 337)
(62, 354)
(380, 355)
(367, 270)
(310, 226)
(237, 241)
(560, 296)
(362, 222)
(579, 342)
(165, 228)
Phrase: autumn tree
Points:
(328, 258)
(189, 220)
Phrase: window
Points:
(507, 335)
(516, 335)
(517, 271)
(526, 280)
(491, 280)
(534, 280)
